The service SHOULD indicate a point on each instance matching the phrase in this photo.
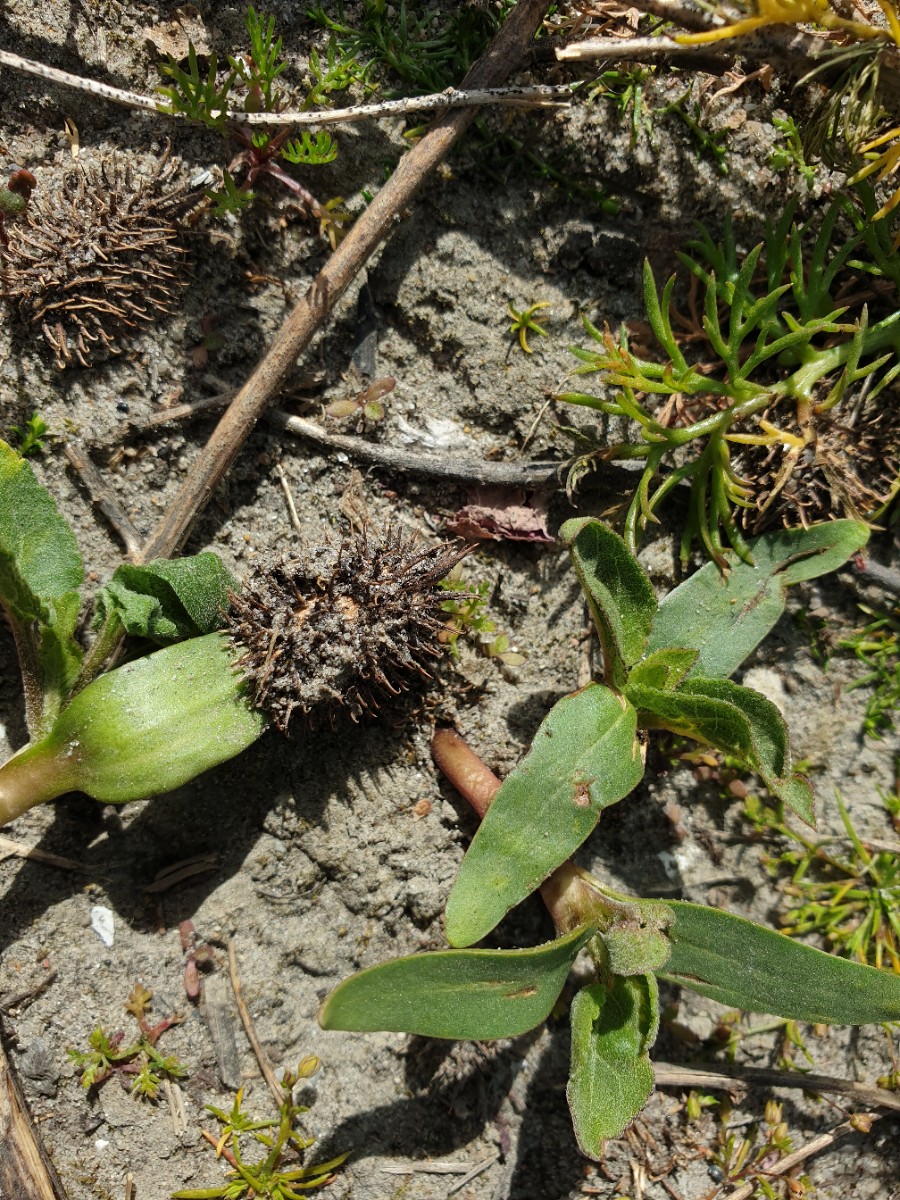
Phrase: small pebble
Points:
(103, 924)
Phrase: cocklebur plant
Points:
(785, 413)
(668, 666)
(335, 628)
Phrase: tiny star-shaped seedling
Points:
(524, 322)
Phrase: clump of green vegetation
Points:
(748, 1154)
(251, 84)
(279, 1173)
(468, 617)
(428, 50)
(849, 897)
(765, 398)
(877, 646)
(140, 1061)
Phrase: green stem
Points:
(105, 645)
(39, 772)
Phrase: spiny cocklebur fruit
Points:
(339, 627)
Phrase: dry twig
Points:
(724, 1076)
(540, 96)
(9, 847)
(26, 1171)
(100, 495)
(252, 1036)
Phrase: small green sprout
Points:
(140, 1060)
(789, 154)
(708, 144)
(31, 435)
(747, 1155)
(467, 611)
(524, 322)
(877, 645)
(850, 897)
(280, 1171)
(366, 406)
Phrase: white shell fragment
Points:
(103, 924)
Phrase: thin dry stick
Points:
(247, 1021)
(370, 229)
(816, 1146)
(99, 494)
(540, 95)
(10, 847)
(725, 1076)
(288, 495)
(461, 470)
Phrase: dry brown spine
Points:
(97, 256)
(338, 627)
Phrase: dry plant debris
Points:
(96, 256)
(342, 625)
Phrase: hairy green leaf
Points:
(746, 966)
(620, 596)
(738, 721)
(610, 1077)
(725, 615)
(40, 576)
(168, 600)
(476, 994)
(585, 756)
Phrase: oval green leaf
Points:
(152, 724)
(585, 756)
(477, 994)
(611, 1078)
(619, 594)
(724, 616)
(744, 965)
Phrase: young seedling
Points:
(662, 669)
(279, 1174)
(467, 617)
(366, 406)
(332, 629)
(525, 322)
(140, 1060)
(31, 435)
(251, 81)
(877, 646)
(790, 155)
